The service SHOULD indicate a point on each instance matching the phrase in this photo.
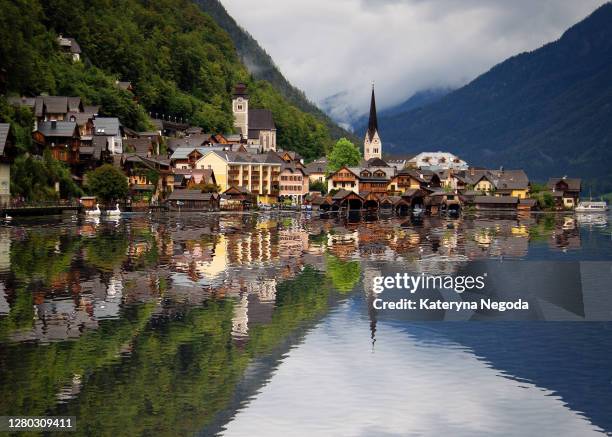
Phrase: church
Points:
(256, 126)
(372, 145)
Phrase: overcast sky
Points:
(338, 47)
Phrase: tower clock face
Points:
(240, 99)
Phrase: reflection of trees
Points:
(344, 275)
(106, 250)
(181, 371)
(41, 259)
(33, 374)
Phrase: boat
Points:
(591, 206)
(114, 212)
(94, 212)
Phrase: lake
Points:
(262, 324)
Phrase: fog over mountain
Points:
(334, 50)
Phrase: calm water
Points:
(247, 324)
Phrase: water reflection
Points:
(92, 312)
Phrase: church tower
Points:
(372, 146)
(240, 108)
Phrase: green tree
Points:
(107, 183)
(319, 186)
(343, 153)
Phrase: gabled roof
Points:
(261, 119)
(511, 180)
(341, 194)
(55, 104)
(58, 128)
(80, 118)
(318, 166)
(194, 195)
(93, 109)
(375, 162)
(108, 126)
(353, 170)
(496, 200)
(573, 184)
(74, 104)
(140, 145)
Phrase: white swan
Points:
(7, 217)
(114, 212)
(94, 211)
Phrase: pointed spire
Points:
(373, 121)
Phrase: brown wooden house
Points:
(62, 138)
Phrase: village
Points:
(177, 166)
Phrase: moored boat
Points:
(591, 206)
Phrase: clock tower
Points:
(240, 108)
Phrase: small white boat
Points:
(94, 212)
(591, 206)
(114, 212)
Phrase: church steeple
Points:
(373, 121)
(372, 146)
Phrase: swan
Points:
(7, 217)
(94, 211)
(114, 212)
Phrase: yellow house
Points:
(258, 173)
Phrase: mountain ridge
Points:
(546, 110)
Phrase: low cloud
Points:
(333, 50)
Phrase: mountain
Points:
(548, 111)
(180, 62)
(417, 100)
(262, 67)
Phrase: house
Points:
(7, 154)
(343, 179)
(437, 161)
(374, 179)
(194, 200)
(566, 191)
(294, 182)
(70, 47)
(514, 183)
(347, 200)
(62, 138)
(141, 146)
(321, 203)
(291, 157)
(109, 128)
(316, 170)
(405, 179)
(237, 198)
(497, 203)
(259, 174)
(149, 178)
(189, 178)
